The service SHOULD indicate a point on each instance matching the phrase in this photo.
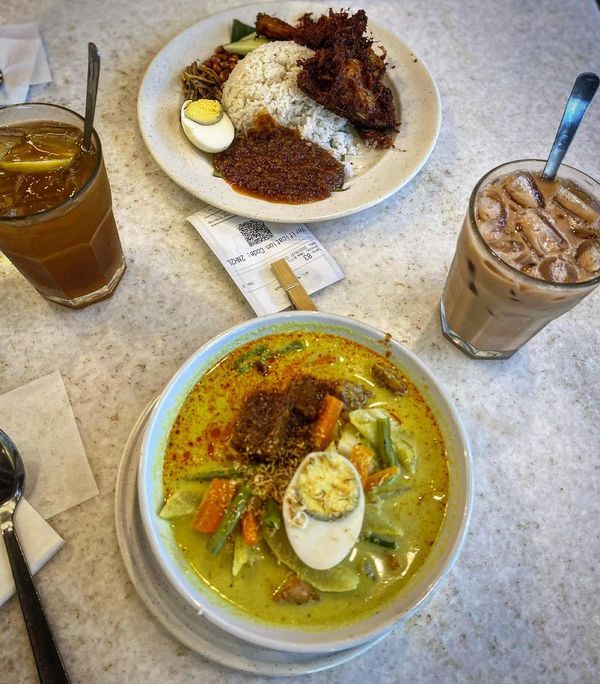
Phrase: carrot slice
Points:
(379, 477)
(213, 506)
(327, 420)
(361, 458)
(249, 528)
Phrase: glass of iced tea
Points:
(528, 251)
(56, 219)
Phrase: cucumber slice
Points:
(243, 47)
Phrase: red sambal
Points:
(274, 163)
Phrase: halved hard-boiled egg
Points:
(206, 125)
(323, 509)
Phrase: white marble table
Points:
(522, 604)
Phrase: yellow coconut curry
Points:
(305, 479)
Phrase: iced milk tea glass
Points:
(490, 309)
(70, 251)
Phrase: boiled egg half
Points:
(323, 509)
(206, 125)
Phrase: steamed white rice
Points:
(267, 79)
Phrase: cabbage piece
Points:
(365, 421)
(342, 577)
(181, 502)
(348, 440)
(380, 523)
(331, 449)
(242, 554)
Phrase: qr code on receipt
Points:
(255, 232)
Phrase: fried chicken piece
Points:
(379, 139)
(275, 29)
(350, 87)
(335, 28)
(345, 74)
(339, 28)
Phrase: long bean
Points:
(385, 448)
(208, 471)
(381, 540)
(230, 520)
(259, 353)
(271, 515)
(293, 346)
(370, 569)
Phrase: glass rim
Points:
(83, 188)
(520, 274)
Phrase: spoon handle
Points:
(92, 90)
(583, 91)
(47, 658)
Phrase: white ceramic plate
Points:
(207, 602)
(384, 171)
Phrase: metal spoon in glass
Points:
(583, 91)
(92, 91)
(12, 478)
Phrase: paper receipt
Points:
(247, 247)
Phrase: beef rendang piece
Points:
(273, 425)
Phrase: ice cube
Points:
(584, 230)
(558, 269)
(72, 181)
(56, 140)
(515, 252)
(6, 183)
(48, 189)
(492, 231)
(491, 207)
(7, 199)
(9, 137)
(575, 204)
(588, 255)
(540, 233)
(522, 189)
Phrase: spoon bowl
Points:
(12, 480)
(12, 476)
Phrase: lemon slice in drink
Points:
(35, 165)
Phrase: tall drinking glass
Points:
(528, 252)
(56, 219)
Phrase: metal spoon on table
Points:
(92, 90)
(583, 91)
(12, 478)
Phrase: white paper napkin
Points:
(38, 541)
(39, 419)
(22, 61)
(41, 71)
